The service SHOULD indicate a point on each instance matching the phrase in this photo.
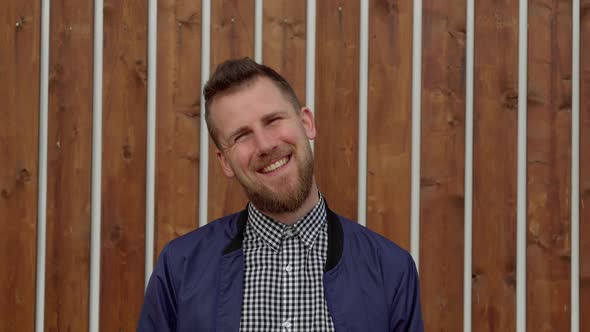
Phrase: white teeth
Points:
(275, 165)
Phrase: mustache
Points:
(266, 158)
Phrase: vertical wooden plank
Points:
(494, 165)
(337, 100)
(283, 41)
(19, 129)
(549, 165)
(443, 164)
(124, 158)
(584, 166)
(178, 119)
(232, 36)
(69, 166)
(389, 139)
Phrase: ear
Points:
(308, 122)
(225, 166)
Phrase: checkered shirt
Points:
(283, 286)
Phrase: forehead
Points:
(248, 103)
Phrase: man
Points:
(287, 262)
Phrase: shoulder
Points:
(361, 240)
(207, 239)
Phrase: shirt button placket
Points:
(287, 238)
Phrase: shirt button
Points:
(287, 324)
(288, 232)
(288, 267)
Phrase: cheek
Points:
(243, 156)
(291, 135)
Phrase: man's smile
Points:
(275, 165)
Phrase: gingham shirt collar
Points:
(271, 231)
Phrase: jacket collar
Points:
(335, 237)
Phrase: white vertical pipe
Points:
(204, 139)
(416, 130)
(468, 216)
(151, 139)
(258, 5)
(363, 90)
(575, 199)
(310, 27)
(42, 185)
(521, 169)
(310, 55)
(95, 205)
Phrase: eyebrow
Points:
(272, 115)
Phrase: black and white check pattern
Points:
(283, 289)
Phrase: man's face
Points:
(264, 143)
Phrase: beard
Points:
(292, 196)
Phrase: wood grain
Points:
(19, 128)
(283, 41)
(69, 166)
(442, 165)
(178, 119)
(336, 102)
(494, 166)
(232, 36)
(389, 137)
(549, 165)
(123, 164)
(584, 166)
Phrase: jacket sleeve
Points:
(158, 312)
(406, 314)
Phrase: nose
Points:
(265, 143)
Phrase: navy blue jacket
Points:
(370, 284)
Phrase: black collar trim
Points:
(335, 240)
(236, 242)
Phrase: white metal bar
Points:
(151, 139)
(204, 139)
(95, 205)
(416, 130)
(363, 90)
(521, 169)
(42, 185)
(468, 216)
(310, 54)
(310, 28)
(468, 209)
(258, 5)
(575, 199)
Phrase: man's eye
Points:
(240, 137)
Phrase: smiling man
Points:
(286, 262)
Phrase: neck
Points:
(290, 218)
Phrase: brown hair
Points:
(234, 74)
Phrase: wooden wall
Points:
(19, 128)
(442, 166)
(389, 127)
(549, 165)
(584, 127)
(178, 159)
(69, 165)
(494, 166)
